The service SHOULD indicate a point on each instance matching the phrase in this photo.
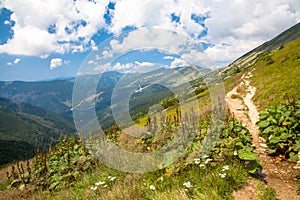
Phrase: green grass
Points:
(237, 96)
(276, 75)
(206, 182)
(265, 192)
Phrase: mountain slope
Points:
(250, 58)
(276, 75)
(24, 127)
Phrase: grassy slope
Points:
(277, 74)
(24, 127)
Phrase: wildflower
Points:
(235, 153)
(94, 188)
(112, 178)
(222, 175)
(197, 161)
(225, 168)
(105, 186)
(208, 160)
(201, 165)
(99, 183)
(205, 156)
(152, 187)
(188, 184)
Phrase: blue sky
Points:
(52, 38)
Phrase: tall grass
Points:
(276, 75)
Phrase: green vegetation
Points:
(237, 96)
(59, 168)
(13, 150)
(69, 171)
(24, 127)
(280, 126)
(277, 74)
(265, 192)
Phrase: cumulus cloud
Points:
(236, 27)
(16, 61)
(123, 67)
(6, 22)
(55, 62)
(231, 27)
(168, 57)
(60, 26)
(178, 62)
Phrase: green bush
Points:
(58, 169)
(280, 126)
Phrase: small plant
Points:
(280, 126)
(236, 140)
(237, 96)
(59, 168)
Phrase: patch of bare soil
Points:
(280, 173)
(12, 194)
(6, 194)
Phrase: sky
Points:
(41, 40)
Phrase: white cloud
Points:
(55, 62)
(236, 27)
(240, 25)
(178, 62)
(168, 57)
(67, 62)
(163, 40)
(17, 60)
(144, 64)
(91, 62)
(107, 54)
(101, 68)
(122, 67)
(157, 13)
(32, 19)
(94, 47)
(6, 22)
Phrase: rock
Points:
(22, 187)
(296, 166)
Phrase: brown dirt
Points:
(14, 193)
(280, 173)
(7, 194)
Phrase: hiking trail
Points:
(280, 173)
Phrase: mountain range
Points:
(35, 114)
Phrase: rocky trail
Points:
(280, 173)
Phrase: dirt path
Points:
(280, 174)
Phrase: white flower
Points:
(188, 184)
(112, 178)
(225, 168)
(105, 186)
(205, 156)
(197, 161)
(222, 175)
(208, 160)
(94, 188)
(152, 187)
(99, 183)
(235, 153)
(201, 165)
